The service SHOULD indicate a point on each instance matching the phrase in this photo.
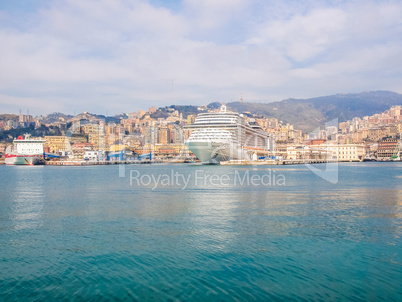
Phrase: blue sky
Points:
(112, 56)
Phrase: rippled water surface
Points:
(231, 234)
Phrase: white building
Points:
(344, 152)
(93, 155)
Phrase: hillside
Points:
(186, 110)
(307, 114)
(9, 135)
(6, 117)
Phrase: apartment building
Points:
(57, 143)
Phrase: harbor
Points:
(183, 150)
(223, 163)
(87, 231)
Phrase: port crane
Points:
(120, 155)
(145, 156)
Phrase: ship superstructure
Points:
(25, 151)
(223, 135)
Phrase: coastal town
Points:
(159, 134)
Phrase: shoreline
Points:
(223, 163)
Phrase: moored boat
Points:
(25, 151)
(223, 135)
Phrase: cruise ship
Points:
(223, 135)
(25, 151)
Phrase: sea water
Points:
(233, 233)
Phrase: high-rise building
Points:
(164, 136)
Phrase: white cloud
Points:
(210, 14)
(124, 55)
(304, 37)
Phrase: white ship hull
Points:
(210, 152)
(14, 159)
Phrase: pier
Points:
(223, 163)
(122, 162)
(97, 163)
(276, 162)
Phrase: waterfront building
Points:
(164, 151)
(386, 148)
(343, 152)
(298, 152)
(94, 155)
(57, 144)
(79, 149)
(280, 151)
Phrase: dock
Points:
(99, 163)
(96, 163)
(223, 163)
(276, 162)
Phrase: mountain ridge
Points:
(308, 114)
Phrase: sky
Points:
(113, 56)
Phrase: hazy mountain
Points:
(307, 114)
